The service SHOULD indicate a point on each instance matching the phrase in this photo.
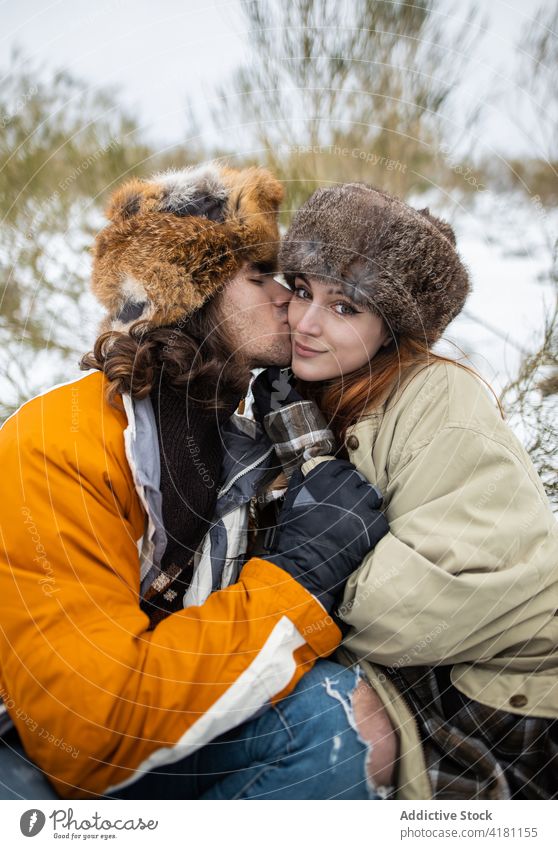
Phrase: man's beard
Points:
(276, 354)
(263, 349)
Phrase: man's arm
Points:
(93, 693)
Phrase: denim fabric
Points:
(305, 747)
(19, 777)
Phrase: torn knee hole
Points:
(375, 729)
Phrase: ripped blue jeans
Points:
(306, 747)
(303, 748)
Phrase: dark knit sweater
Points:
(191, 451)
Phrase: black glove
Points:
(272, 389)
(329, 522)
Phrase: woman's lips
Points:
(303, 351)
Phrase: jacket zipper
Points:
(245, 471)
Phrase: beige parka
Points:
(468, 574)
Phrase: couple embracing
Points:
(293, 552)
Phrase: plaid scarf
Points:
(473, 751)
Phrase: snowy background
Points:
(93, 93)
(505, 245)
(508, 250)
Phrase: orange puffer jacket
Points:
(94, 695)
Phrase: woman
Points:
(115, 682)
(453, 615)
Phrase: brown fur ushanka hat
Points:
(175, 240)
(398, 261)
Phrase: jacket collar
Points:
(248, 456)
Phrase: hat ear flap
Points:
(131, 311)
(269, 190)
(126, 201)
(441, 225)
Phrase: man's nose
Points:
(280, 295)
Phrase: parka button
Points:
(352, 442)
(518, 701)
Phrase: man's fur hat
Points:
(400, 262)
(175, 240)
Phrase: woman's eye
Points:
(345, 309)
(301, 292)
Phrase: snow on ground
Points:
(65, 265)
(505, 242)
(506, 246)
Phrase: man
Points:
(107, 670)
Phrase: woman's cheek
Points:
(293, 312)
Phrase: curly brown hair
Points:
(195, 352)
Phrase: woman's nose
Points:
(309, 322)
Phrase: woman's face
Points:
(330, 334)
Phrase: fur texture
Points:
(398, 261)
(173, 241)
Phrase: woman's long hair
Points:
(197, 352)
(346, 399)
